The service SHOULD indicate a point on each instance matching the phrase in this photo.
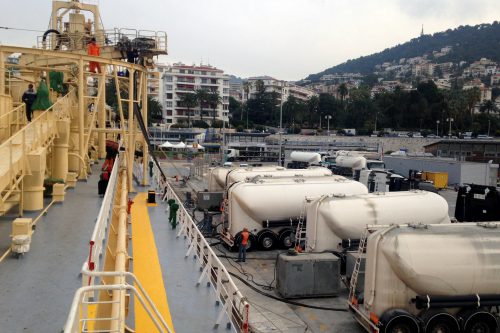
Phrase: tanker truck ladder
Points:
(357, 265)
(300, 232)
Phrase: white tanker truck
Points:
(217, 177)
(303, 159)
(334, 220)
(270, 208)
(431, 278)
(221, 178)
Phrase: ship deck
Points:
(37, 289)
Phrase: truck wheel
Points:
(440, 322)
(286, 238)
(266, 239)
(480, 322)
(399, 321)
(401, 325)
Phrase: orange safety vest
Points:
(93, 49)
(244, 237)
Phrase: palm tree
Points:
(260, 87)
(214, 99)
(343, 91)
(473, 96)
(202, 98)
(488, 106)
(189, 101)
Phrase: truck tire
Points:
(479, 321)
(285, 238)
(439, 321)
(399, 321)
(267, 239)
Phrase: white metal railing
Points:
(97, 241)
(121, 38)
(234, 303)
(79, 319)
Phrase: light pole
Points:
(281, 124)
(376, 118)
(437, 127)
(489, 123)
(449, 131)
(328, 117)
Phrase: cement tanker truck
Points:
(239, 175)
(270, 208)
(333, 221)
(431, 278)
(351, 165)
(217, 177)
(221, 178)
(303, 159)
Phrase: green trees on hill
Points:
(470, 43)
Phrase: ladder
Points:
(357, 265)
(300, 232)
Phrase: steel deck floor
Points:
(36, 290)
(192, 308)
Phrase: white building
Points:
(179, 79)
(282, 88)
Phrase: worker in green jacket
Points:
(172, 218)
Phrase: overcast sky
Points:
(287, 39)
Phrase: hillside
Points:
(470, 43)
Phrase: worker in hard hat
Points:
(242, 255)
(93, 49)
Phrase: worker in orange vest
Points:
(93, 49)
(243, 245)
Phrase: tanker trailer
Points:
(218, 177)
(303, 159)
(350, 165)
(334, 220)
(238, 175)
(270, 208)
(430, 278)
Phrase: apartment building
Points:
(423, 70)
(179, 79)
(282, 88)
(154, 77)
(236, 90)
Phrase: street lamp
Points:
(281, 124)
(328, 117)
(437, 127)
(450, 120)
(489, 123)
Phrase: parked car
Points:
(483, 137)
(433, 136)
